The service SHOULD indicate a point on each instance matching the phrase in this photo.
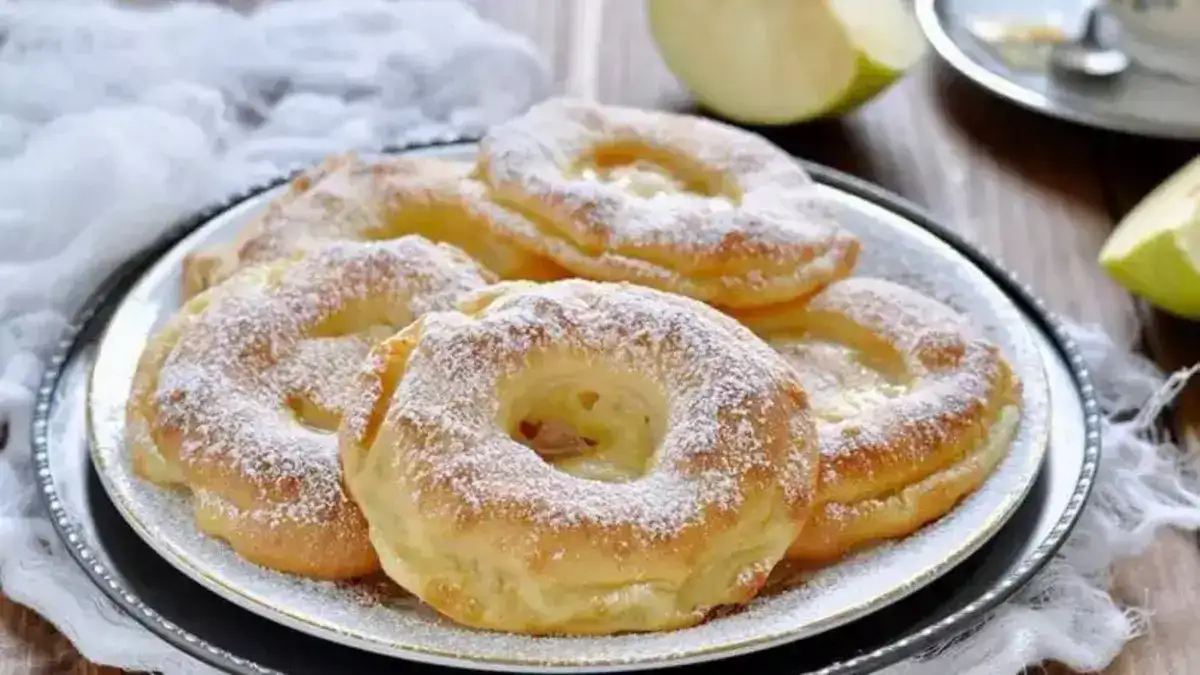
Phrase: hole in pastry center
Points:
(586, 421)
(312, 416)
(842, 381)
(648, 173)
(313, 373)
(373, 318)
(416, 218)
(642, 178)
(454, 223)
(314, 376)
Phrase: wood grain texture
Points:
(1040, 194)
(1163, 579)
(1131, 167)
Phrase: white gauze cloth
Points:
(114, 124)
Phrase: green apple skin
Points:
(872, 81)
(1161, 271)
(752, 61)
(1155, 250)
(740, 60)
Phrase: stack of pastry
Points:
(604, 378)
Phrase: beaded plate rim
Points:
(68, 529)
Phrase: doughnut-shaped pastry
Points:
(348, 199)
(238, 397)
(669, 201)
(913, 409)
(579, 458)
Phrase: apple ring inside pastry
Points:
(238, 397)
(675, 202)
(579, 458)
(913, 409)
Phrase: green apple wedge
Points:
(1155, 250)
(785, 61)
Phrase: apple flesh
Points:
(785, 61)
(1155, 250)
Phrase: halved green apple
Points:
(785, 61)
(1155, 250)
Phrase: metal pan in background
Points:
(1137, 101)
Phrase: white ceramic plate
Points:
(894, 247)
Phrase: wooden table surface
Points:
(1039, 193)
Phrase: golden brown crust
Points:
(203, 269)
(494, 536)
(893, 462)
(835, 529)
(237, 397)
(346, 198)
(741, 226)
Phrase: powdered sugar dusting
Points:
(946, 380)
(838, 383)
(894, 250)
(346, 198)
(718, 397)
(272, 337)
(951, 372)
(938, 396)
(765, 218)
(365, 391)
